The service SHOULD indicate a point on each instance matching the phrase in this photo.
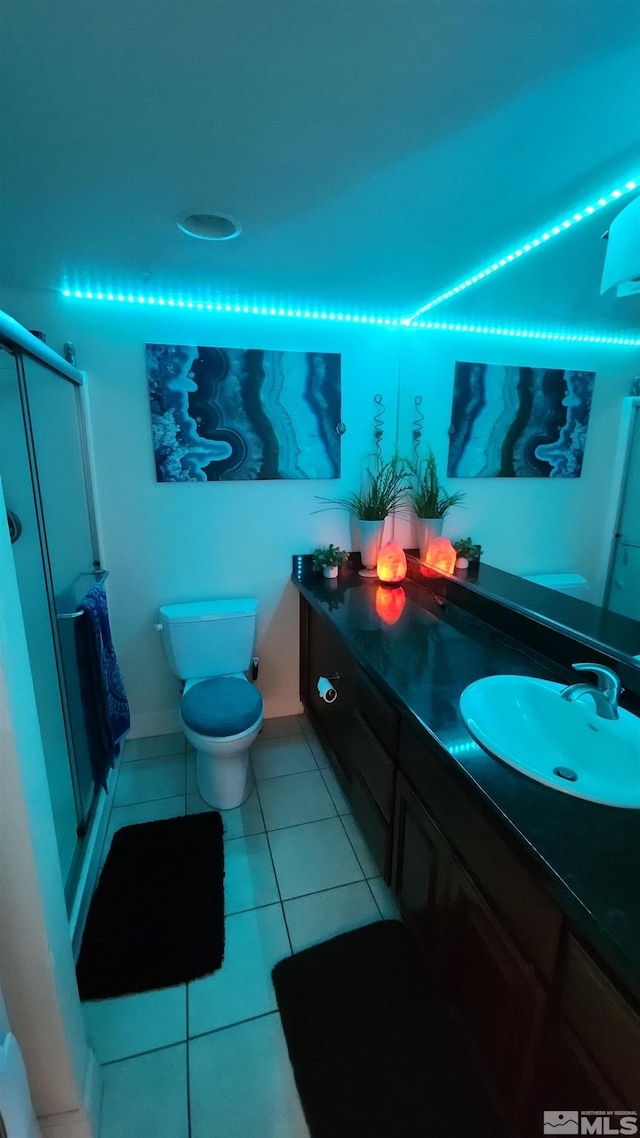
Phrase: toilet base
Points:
(224, 781)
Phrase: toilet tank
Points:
(209, 638)
(571, 583)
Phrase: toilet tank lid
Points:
(208, 610)
(557, 580)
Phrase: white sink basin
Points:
(565, 745)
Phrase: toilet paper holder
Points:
(326, 690)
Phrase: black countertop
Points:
(589, 854)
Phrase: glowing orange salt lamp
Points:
(441, 556)
(392, 564)
(389, 604)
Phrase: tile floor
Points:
(208, 1059)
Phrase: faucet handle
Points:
(608, 682)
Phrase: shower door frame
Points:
(20, 344)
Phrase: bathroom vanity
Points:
(524, 901)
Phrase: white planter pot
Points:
(368, 537)
(330, 570)
(462, 563)
(428, 530)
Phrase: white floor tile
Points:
(293, 799)
(280, 727)
(318, 751)
(130, 1025)
(134, 815)
(240, 823)
(152, 746)
(313, 857)
(369, 866)
(242, 988)
(242, 1085)
(320, 916)
(249, 880)
(384, 898)
(281, 756)
(146, 1097)
(145, 779)
(338, 796)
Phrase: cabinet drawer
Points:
(607, 1027)
(497, 999)
(420, 869)
(376, 769)
(532, 919)
(374, 828)
(375, 709)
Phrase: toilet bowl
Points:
(210, 712)
(209, 645)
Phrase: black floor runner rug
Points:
(157, 916)
(373, 1051)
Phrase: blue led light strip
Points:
(242, 309)
(537, 242)
(348, 318)
(527, 333)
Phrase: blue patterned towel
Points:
(106, 710)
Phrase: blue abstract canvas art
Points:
(518, 422)
(224, 414)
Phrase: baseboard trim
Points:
(154, 723)
(276, 706)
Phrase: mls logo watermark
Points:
(590, 1122)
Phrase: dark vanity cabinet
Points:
(541, 1018)
(361, 728)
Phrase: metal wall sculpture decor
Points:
(518, 422)
(225, 414)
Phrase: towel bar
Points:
(100, 575)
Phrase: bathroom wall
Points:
(172, 542)
(523, 525)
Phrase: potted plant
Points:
(467, 552)
(329, 558)
(383, 490)
(429, 500)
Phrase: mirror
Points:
(587, 525)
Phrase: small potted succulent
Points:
(467, 551)
(329, 558)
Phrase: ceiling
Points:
(376, 152)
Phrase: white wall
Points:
(524, 525)
(172, 542)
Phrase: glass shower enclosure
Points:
(49, 499)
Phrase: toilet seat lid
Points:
(221, 706)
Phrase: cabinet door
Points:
(565, 1076)
(494, 993)
(421, 862)
(327, 656)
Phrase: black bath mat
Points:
(157, 916)
(373, 1052)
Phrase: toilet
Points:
(571, 583)
(209, 645)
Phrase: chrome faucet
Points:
(605, 695)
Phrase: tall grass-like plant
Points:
(427, 497)
(384, 488)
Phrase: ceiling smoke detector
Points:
(209, 226)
